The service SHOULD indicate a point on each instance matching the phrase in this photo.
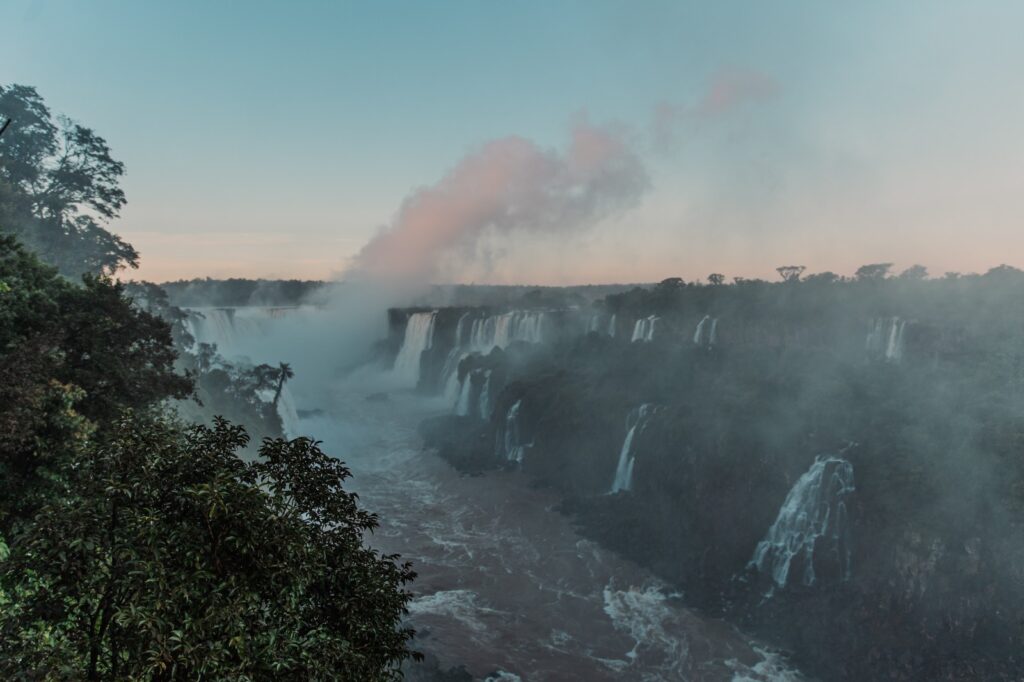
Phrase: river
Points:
(506, 586)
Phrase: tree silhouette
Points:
(873, 271)
(790, 273)
(284, 373)
(716, 278)
(915, 272)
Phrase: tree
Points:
(716, 279)
(172, 558)
(62, 187)
(73, 357)
(915, 272)
(826, 277)
(790, 273)
(284, 373)
(873, 271)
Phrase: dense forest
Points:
(143, 536)
(832, 462)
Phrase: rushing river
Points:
(506, 587)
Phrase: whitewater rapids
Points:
(506, 587)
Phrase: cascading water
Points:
(636, 422)
(509, 443)
(484, 405)
(501, 330)
(707, 331)
(234, 330)
(885, 338)
(643, 330)
(288, 413)
(465, 400)
(611, 326)
(482, 334)
(812, 521)
(419, 336)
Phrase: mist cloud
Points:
(507, 185)
(727, 90)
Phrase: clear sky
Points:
(275, 139)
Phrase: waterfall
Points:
(643, 330)
(419, 335)
(482, 334)
(485, 396)
(595, 323)
(501, 330)
(287, 412)
(812, 519)
(635, 422)
(509, 442)
(464, 402)
(236, 331)
(885, 338)
(894, 349)
(708, 337)
(611, 326)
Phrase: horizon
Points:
(623, 143)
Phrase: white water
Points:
(505, 585)
(288, 413)
(484, 409)
(483, 334)
(611, 326)
(233, 330)
(643, 330)
(509, 440)
(812, 519)
(706, 333)
(885, 338)
(635, 422)
(501, 330)
(419, 335)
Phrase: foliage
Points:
(59, 187)
(171, 558)
(71, 356)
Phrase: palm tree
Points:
(284, 373)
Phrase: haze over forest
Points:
(461, 342)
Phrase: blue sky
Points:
(274, 139)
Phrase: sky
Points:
(544, 142)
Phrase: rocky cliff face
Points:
(837, 470)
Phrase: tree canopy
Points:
(59, 187)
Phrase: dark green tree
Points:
(173, 559)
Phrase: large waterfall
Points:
(509, 443)
(643, 330)
(502, 329)
(231, 328)
(419, 335)
(707, 331)
(812, 522)
(885, 338)
(481, 335)
(636, 422)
